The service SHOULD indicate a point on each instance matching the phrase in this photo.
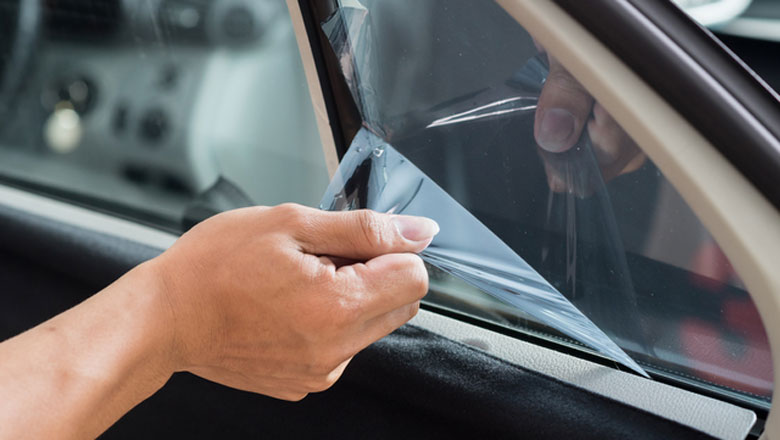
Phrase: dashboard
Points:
(148, 103)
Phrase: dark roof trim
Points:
(705, 82)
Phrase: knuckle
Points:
(287, 208)
(413, 309)
(333, 359)
(316, 370)
(563, 80)
(322, 382)
(321, 362)
(410, 274)
(345, 309)
(373, 229)
(417, 277)
(314, 386)
(294, 396)
(330, 380)
(321, 275)
(290, 214)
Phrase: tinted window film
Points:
(373, 175)
(464, 93)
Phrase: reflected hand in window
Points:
(564, 111)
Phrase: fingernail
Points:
(416, 228)
(555, 129)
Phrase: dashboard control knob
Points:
(154, 126)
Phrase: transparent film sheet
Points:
(478, 125)
(373, 175)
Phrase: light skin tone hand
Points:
(270, 300)
(564, 110)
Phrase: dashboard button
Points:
(154, 126)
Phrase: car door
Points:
(183, 116)
(453, 66)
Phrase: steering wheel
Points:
(20, 21)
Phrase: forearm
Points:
(76, 374)
(246, 299)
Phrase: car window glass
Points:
(457, 88)
(157, 109)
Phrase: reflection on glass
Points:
(450, 85)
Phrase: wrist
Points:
(186, 311)
(93, 363)
(145, 291)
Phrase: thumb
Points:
(364, 234)
(564, 107)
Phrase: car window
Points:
(455, 87)
(158, 110)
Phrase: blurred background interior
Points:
(142, 105)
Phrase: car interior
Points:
(126, 122)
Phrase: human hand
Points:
(564, 110)
(271, 300)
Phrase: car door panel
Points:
(415, 383)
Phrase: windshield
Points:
(463, 92)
